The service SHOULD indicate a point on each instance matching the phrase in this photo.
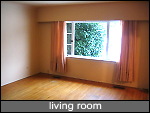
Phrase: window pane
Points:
(90, 39)
(69, 27)
(114, 48)
(103, 31)
(68, 49)
(69, 38)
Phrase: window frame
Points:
(73, 40)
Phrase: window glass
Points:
(69, 49)
(69, 27)
(69, 38)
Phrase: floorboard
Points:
(46, 87)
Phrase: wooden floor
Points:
(45, 87)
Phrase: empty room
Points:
(74, 50)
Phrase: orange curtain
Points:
(58, 60)
(125, 68)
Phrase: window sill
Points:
(90, 58)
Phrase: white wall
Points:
(19, 43)
(44, 33)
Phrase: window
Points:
(94, 39)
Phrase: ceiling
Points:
(43, 3)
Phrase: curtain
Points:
(125, 68)
(58, 59)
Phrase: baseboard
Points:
(112, 85)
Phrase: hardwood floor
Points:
(46, 87)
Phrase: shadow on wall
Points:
(144, 55)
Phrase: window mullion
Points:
(73, 40)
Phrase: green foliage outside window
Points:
(89, 39)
